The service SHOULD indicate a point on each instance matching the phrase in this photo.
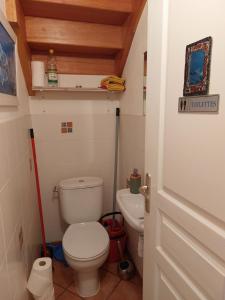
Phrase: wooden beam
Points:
(11, 11)
(92, 11)
(125, 6)
(128, 34)
(16, 18)
(73, 35)
(81, 65)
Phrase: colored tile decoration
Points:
(66, 127)
(63, 130)
(197, 67)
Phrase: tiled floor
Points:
(112, 287)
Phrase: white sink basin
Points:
(132, 207)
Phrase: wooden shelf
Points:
(71, 89)
(89, 37)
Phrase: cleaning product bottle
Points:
(52, 70)
(135, 182)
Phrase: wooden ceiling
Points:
(89, 36)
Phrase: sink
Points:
(132, 207)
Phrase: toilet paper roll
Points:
(38, 73)
(40, 279)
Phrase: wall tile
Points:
(4, 174)
(5, 287)
(88, 151)
(2, 241)
(18, 209)
(132, 155)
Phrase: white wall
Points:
(132, 131)
(18, 205)
(88, 151)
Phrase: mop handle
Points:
(120, 249)
(116, 160)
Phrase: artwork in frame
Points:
(197, 67)
(8, 64)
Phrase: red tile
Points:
(137, 279)
(111, 267)
(62, 275)
(64, 130)
(58, 290)
(126, 290)
(68, 296)
(108, 283)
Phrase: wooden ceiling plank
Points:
(124, 6)
(60, 32)
(92, 11)
(11, 12)
(128, 34)
(15, 17)
(81, 65)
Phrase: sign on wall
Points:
(202, 104)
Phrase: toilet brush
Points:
(125, 266)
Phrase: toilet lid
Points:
(85, 240)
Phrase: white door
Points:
(184, 254)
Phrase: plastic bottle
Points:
(52, 70)
(134, 182)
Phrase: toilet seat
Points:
(85, 241)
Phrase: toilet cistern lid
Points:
(80, 183)
(85, 240)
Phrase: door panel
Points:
(193, 258)
(178, 279)
(184, 251)
(203, 227)
(167, 290)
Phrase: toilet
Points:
(85, 242)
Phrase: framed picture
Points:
(197, 68)
(8, 64)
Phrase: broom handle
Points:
(116, 160)
(120, 249)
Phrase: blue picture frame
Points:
(7, 63)
(197, 67)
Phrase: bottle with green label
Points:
(135, 182)
(52, 70)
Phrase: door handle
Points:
(145, 190)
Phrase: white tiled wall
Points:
(18, 205)
(88, 151)
(18, 209)
(132, 131)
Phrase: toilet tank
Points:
(81, 199)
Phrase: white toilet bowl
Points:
(86, 247)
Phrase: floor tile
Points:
(127, 290)
(137, 279)
(111, 267)
(68, 296)
(58, 290)
(62, 275)
(108, 284)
